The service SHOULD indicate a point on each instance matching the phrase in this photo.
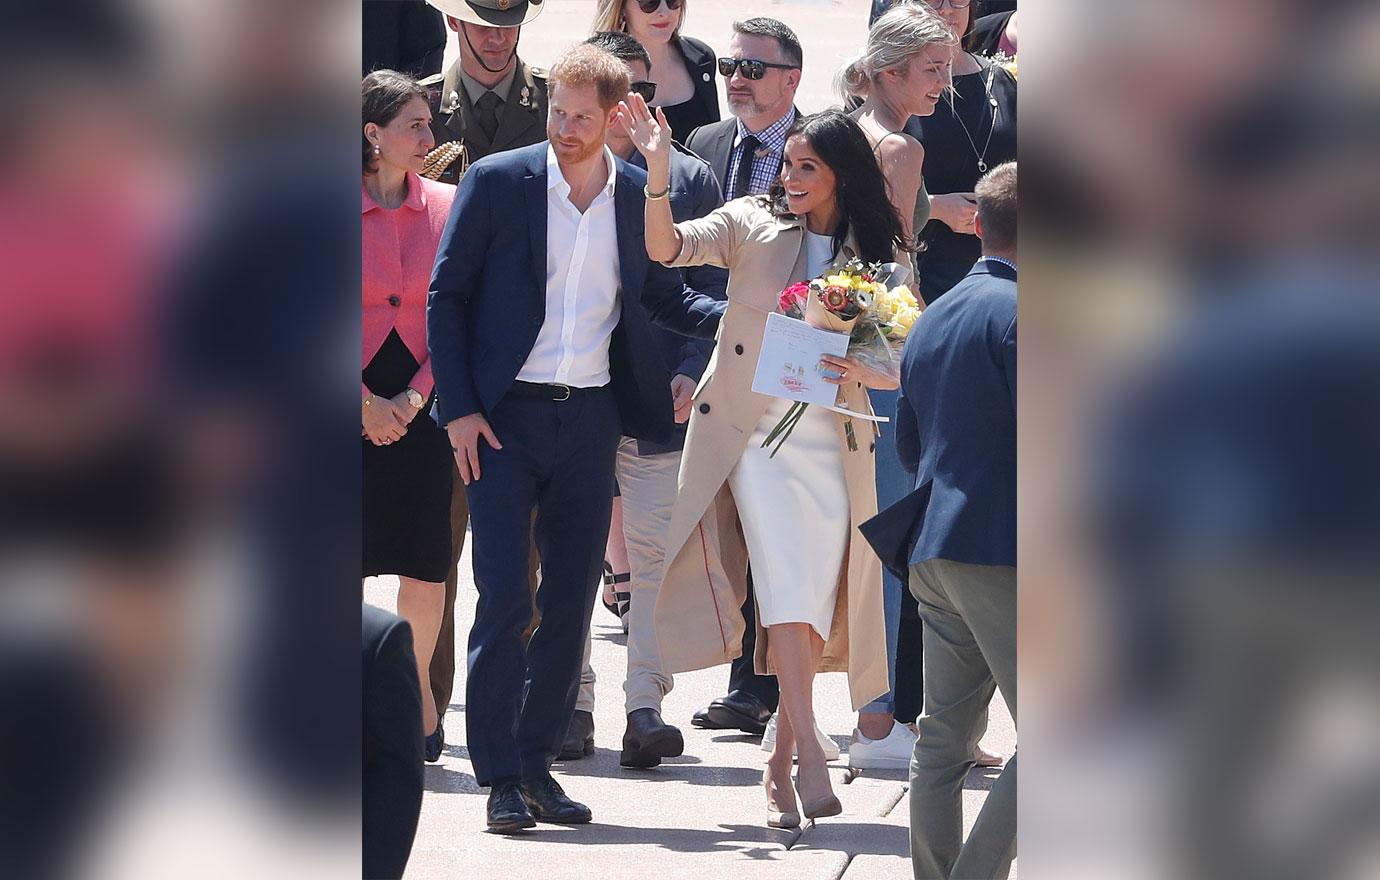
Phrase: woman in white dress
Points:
(817, 585)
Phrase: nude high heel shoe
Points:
(779, 818)
(820, 807)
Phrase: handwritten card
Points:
(788, 365)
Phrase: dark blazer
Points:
(694, 193)
(488, 294)
(521, 117)
(714, 144)
(703, 106)
(392, 771)
(956, 420)
(408, 36)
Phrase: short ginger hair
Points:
(587, 65)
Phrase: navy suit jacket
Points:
(956, 422)
(488, 295)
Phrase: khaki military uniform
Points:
(459, 141)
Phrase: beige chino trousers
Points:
(648, 487)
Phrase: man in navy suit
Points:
(543, 352)
(956, 428)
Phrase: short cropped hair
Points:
(587, 65)
(996, 200)
(624, 47)
(769, 27)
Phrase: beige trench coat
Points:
(698, 613)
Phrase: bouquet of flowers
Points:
(871, 303)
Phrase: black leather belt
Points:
(549, 390)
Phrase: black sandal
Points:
(622, 601)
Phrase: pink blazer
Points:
(399, 250)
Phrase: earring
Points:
(376, 149)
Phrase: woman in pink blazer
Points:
(407, 465)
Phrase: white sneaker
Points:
(831, 748)
(889, 753)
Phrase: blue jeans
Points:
(893, 482)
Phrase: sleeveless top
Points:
(922, 197)
(919, 218)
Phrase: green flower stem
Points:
(784, 427)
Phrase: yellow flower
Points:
(905, 319)
(903, 294)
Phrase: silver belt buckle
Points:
(565, 388)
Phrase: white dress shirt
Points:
(582, 286)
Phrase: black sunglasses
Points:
(646, 89)
(751, 68)
(650, 6)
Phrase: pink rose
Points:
(793, 298)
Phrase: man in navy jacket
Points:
(956, 428)
(541, 343)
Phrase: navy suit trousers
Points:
(557, 458)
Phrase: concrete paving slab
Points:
(695, 817)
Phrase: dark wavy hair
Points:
(860, 188)
(385, 93)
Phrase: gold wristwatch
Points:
(415, 398)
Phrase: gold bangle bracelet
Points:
(652, 197)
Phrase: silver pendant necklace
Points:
(995, 110)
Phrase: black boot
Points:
(579, 737)
(648, 739)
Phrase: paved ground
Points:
(697, 817)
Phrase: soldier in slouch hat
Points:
(488, 100)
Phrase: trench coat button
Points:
(872, 447)
(737, 349)
(395, 300)
(707, 77)
(704, 407)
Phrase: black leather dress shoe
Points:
(548, 802)
(507, 811)
(648, 739)
(734, 711)
(579, 737)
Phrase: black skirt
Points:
(406, 484)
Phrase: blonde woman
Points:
(902, 72)
(682, 73)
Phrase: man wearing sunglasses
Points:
(488, 100)
(762, 70)
(761, 73)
